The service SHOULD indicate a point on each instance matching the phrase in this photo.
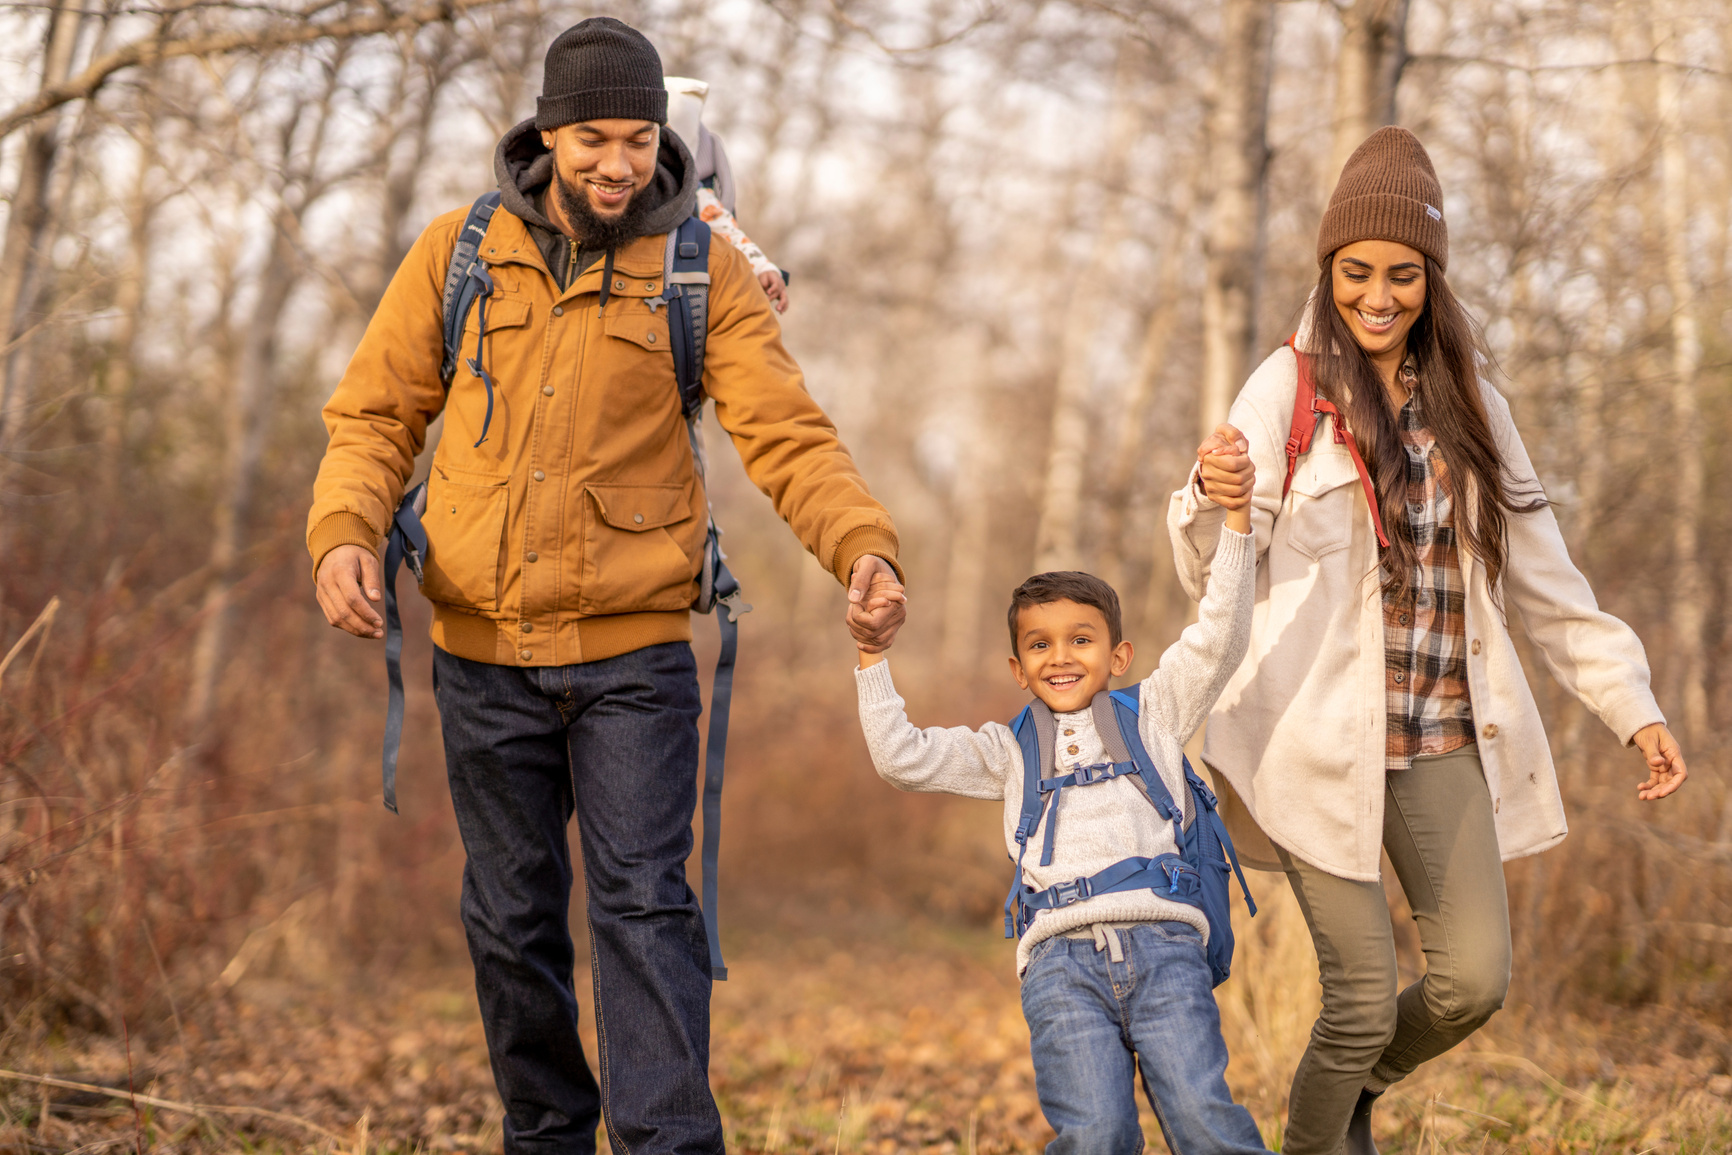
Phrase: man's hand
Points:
(876, 610)
(776, 288)
(348, 579)
(1666, 770)
(1224, 468)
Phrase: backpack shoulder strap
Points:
(686, 287)
(1308, 410)
(1305, 416)
(1116, 716)
(1036, 738)
(460, 288)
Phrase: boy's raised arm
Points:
(942, 760)
(1196, 668)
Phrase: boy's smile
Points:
(1065, 654)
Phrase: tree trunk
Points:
(1689, 581)
(1057, 545)
(27, 225)
(246, 421)
(1238, 165)
(1367, 72)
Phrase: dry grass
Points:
(867, 1035)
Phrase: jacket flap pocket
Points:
(502, 313)
(1320, 471)
(639, 326)
(641, 507)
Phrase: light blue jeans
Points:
(1093, 1021)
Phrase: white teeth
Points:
(1375, 320)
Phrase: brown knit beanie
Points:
(1388, 191)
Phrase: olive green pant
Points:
(1439, 833)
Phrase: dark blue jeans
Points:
(1094, 1023)
(616, 740)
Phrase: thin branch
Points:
(1445, 58)
(152, 50)
(198, 1110)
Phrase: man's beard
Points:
(593, 231)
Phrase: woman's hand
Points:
(1224, 468)
(1666, 770)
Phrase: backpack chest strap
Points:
(1168, 875)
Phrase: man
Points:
(566, 525)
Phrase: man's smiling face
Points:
(604, 163)
(1065, 654)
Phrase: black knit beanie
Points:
(598, 69)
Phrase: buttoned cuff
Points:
(340, 528)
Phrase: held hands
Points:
(348, 579)
(877, 607)
(1666, 771)
(1226, 476)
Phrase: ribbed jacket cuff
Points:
(875, 686)
(857, 543)
(341, 528)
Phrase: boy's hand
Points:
(877, 605)
(1224, 468)
(776, 289)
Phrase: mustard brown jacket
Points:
(575, 530)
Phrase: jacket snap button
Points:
(649, 287)
(540, 476)
(527, 627)
(523, 654)
(1490, 730)
(651, 338)
(637, 517)
(559, 310)
(619, 286)
(1476, 645)
(547, 391)
(531, 556)
(454, 509)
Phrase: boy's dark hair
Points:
(1085, 589)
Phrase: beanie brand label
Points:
(1433, 213)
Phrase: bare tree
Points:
(1368, 69)
(1238, 166)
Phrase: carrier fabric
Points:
(1106, 823)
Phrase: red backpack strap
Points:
(1305, 418)
(1308, 409)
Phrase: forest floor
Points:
(870, 1035)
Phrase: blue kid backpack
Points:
(686, 295)
(1196, 875)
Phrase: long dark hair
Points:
(1447, 348)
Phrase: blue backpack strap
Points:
(407, 542)
(715, 760)
(1209, 804)
(1028, 731)
(466, 283)
(1116, 719)
(686, 291)
(1168, 873)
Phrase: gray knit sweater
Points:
(1100, 824)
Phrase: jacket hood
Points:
(525, 169)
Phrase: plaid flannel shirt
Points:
(1425, 632)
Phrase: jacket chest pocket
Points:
(641, 549)
(465, 524)
(1323, 504)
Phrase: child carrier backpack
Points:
(686, 295)
(1196, 875)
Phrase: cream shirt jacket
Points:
(1299, 731)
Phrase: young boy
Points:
(1117, 979)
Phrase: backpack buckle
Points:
(1066, 893)
(734, 605)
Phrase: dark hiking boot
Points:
(1359, 1127)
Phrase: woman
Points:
(1382, 705)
